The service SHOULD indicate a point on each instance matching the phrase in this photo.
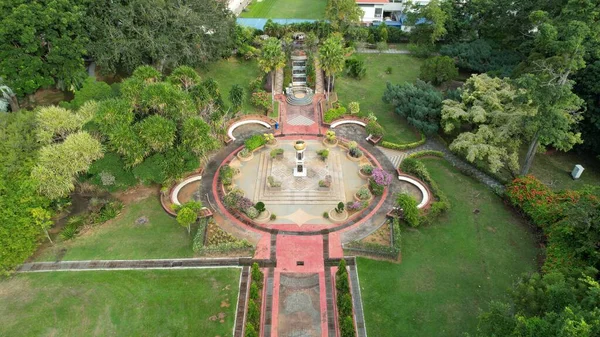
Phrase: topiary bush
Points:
(355, 67)
(260, 207)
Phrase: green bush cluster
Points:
(109, 173)
(418, 169)
(355, 67)
(410, 214)
(256, 285)
(426, 153)
(276, 152)
(198, 243)
(344, 301)
(333, 114)
(373, 128)
(254, 142)
(226, 174)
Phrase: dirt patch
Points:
(218, 317)
(225, 304)
(381, 236)
(136, 194)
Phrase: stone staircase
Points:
(293, 99)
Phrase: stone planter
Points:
(359, 199)
(338, 217)
(263, 217)
(364, 176)
(278, 188)
(239, 156)
(324, 188)
(354, 159)
(329, 145)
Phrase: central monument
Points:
(299, 169)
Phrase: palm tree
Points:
(331, 58)
(271, 59)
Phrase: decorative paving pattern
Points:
(299, 305)
(300, 120)
(300, 190)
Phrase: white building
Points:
(389, 11)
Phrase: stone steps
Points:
(396, 157)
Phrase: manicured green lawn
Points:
(554, 169)
(121, 238)
(234, 71)
(369, 90)
(286, 9)
(119, 303)
(451, 269)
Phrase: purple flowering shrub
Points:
(380, 177)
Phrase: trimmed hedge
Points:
(344, 301)
(395, 146)
(253, 309)
(425, 153)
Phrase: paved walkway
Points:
(278, 88)
(318, 78)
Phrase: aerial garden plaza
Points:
(287, 168)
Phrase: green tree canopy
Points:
(438, 70)
(90, 90)
(331, 58)
(59, 164)
(271, 58)
(55, 124)
(343, 13)
(419, 103)
(433, 28)
(43, 43)
(490, 121)
(184, 77)
(587, 86)
(166, 34)
(157, 133)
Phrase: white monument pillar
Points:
(299, 168)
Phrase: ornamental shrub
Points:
(276, 152)
(375, 129)
(333, 114)
(226, 174)
(251, 212)
(254, 142)
(324, 154)
(363, 193)
(367, 169)
(355, 152)
(251, 330)
(347, 327)
(256, 274)
(253, 313)
(410, 211)
(381, 177)
(261, 99)
(354, 107)
(260, 207)
(340, 207)
(355, 67)
(254, 292)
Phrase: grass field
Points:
(121, 238)
(451, 269)
(369, 90)
(286, 9)
(233, 71)
(554, 169)
(119, 303)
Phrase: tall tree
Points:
(560, 46)
(494, 112)
(343, 13)
(43, 44)
(55, 124)
(157, 133)
(588, 88)
(164, 33)
(429, 22)
(271, 59)
(331, 58)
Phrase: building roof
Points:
(372, 1)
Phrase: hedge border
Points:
(394, 146)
